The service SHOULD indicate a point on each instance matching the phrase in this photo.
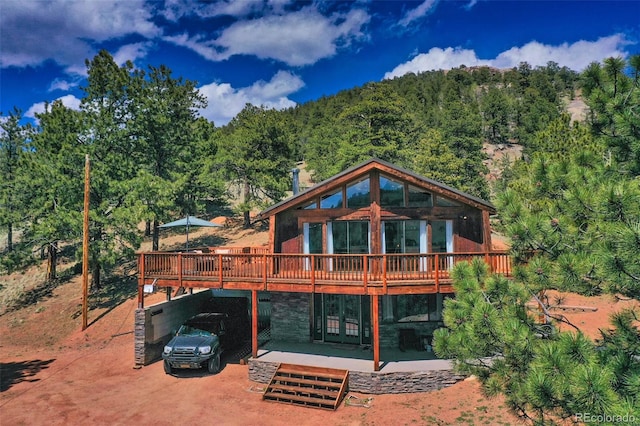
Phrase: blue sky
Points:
(280, 53)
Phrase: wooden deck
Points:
(255, 269)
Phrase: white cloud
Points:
(69, 101)
(297, 38)
(176, 9)
(131, 52)
(424, 9)
(64, 85)
(225, 102)
(575, 56)
(35, 31)
(437, 59)
(471, 4)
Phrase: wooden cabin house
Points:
(362, 258)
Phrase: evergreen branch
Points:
(548, 314)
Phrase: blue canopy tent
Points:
(188, 222)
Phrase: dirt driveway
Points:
(88, 378)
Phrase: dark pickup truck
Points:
(200, 342)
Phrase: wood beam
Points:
(486, 228)
(376, 332)
(141, 281)
(254, 323)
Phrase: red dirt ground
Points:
(53, 373)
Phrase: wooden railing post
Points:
(384, 274)
(365, 271)
(179, 270)
(220, 268)
(264, 272)
(313, 274)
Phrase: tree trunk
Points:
(156, 236)
(247, 213)
(95, 278)
(52, 261)
(147, 228)
(247, 219)
(10, 237)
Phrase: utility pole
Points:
(85, 246)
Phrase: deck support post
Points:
(141, 281)
(376, 332)
(254, 323)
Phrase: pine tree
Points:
(14, 146)
(56, 188)
(573, 219)
(256, 154)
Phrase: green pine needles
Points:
(546, 375)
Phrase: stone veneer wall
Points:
(376, 383)
(154, 324)
(290, 317)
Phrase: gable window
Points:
(310, 206)
(391, 192)
(445, 202)
(358, 194)
(332, 201)
(419, 197)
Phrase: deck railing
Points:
(216, 269)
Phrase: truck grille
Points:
(183, 353)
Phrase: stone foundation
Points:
(290, 317)
(376, 383)
(154, 325)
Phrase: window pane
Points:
(358, 194)
(350, 237)
(393, 236)
(445, 202)
(358, 237)
(412, 236)
(391, 192)
(419, 197)
(332, 201)
(414, 307)
(402, 236)
(439, 236)
(340, 238)
(315, 238)
(311, 206)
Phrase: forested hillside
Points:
(153, 159)
(572, 213)
(570, 206)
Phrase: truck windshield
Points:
(187, 330)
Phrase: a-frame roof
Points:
(389, 170)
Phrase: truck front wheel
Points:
(167, 367)
(214, 363)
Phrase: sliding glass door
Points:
(405, 237)
(349, 237)
(312, 242)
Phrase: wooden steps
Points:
(308, 386)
